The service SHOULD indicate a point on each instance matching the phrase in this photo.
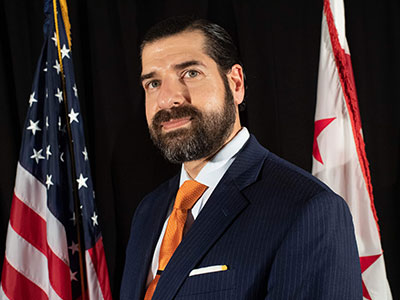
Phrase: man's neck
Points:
(194, 167)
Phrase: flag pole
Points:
(71, 149)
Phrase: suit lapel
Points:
(160, 201)
(224, 205)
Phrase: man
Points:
(238, 222)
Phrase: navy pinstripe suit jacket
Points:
(282, 233)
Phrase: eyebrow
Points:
(147, 76)
(186, 64)
(179, 66)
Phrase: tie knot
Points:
(188, 194)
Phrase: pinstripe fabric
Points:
(281, 232)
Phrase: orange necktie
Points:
(187, 195)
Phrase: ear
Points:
(236, 82)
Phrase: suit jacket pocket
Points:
(209, 283)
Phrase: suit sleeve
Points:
(318, 258)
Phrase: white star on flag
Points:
(47, 122)
(54, 38)
(37, 155)
(32, 99)
(82, 181)
(48, 153)
(64, 52)
(48, 181)
(75, 90)
(62, 156)
(57, 67)
(94, 218)
(59, 95)
(74, 248)
(85, 154)
(73, 116)
(73, 275)
(34, 126)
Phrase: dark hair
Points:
(218, 43)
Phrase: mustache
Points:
(175, 113)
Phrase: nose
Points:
(172, 94)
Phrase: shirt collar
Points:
(213, 171)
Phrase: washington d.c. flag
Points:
(339, 157)
(54, 247)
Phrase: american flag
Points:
(42, 259)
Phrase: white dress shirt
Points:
(210, 175)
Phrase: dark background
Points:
(279, 45)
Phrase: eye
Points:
(191, 73)
(153, 84)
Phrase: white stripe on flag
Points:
(92, 280)
(31, 191)
(34, 194)
(53, 295)
(27, 260)
(2, 295)
(57, 237)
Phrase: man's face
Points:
(190, 108)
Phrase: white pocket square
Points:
(210, 269)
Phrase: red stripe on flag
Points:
(18, 287)
(59, 275)
(28, 224)
(345, 71)
(99, 262)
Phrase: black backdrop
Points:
(279, 45)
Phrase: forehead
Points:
(174, 49)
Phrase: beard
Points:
(205, 135)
